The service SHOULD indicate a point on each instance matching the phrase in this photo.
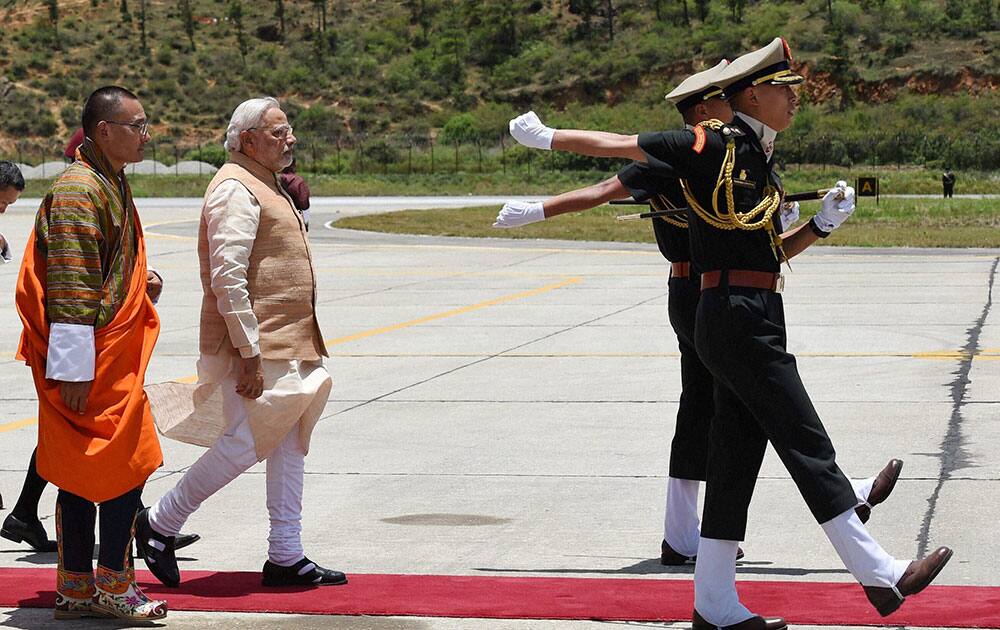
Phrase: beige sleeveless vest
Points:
(280, 277)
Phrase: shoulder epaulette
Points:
(726, 131)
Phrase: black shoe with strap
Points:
(157, 550)
(183, 540)
(305, 572)
(671, 558)
(29, 531)
(753, 623)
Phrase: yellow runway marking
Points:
(17, 424)
(450, 313)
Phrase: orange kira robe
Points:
(112, 447)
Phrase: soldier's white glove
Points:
(838, 204)
(789, 214)
(518, 213)
(528, 130)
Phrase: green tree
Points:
(53, 6)
(187, 17)
(492, 30)
(235, 15)
(279, 12)
(736, 9)
(702, 9)
(126, 17)
(142, 28)
(985, 13)
(587, 10)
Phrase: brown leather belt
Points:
(742, 278)
(680, 269)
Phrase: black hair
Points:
(10, 175)
(102, 104)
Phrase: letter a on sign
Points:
(868, 187)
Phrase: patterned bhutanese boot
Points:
(118, 596)
(74, 593)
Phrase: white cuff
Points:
(249, 351)
(71, 353)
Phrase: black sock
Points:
(26, 508)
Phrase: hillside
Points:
(889, 80)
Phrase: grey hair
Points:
(247, 114)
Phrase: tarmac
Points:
(505, 408)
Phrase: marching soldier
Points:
(727, 180)
(697, 98)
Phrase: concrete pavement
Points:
(506, 407)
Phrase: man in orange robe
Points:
(89, 331)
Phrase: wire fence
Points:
(364, 154)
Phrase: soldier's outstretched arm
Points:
(529, 130)
(518, 213)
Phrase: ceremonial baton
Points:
(675, 212)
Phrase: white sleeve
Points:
(232, 216)
(71, 353)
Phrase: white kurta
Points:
(295, 392)
(240, 431)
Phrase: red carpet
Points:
(626, 599)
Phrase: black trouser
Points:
(75, 519)
(740, 335)
(26, 508)
(949, 191)
(689, 448)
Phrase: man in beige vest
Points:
(261, 365)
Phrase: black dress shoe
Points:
(671, 558)
(305, 572)
(31, 532)
(157, 550)
(183, 540)
(753, 623)
(917, 576)
(881, 489)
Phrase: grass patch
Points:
(894, 223)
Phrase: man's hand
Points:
(789, 214)
(75, 395)
(838, 204)
(250, 380)
(518, 213)
(528, 130)
(154, 286)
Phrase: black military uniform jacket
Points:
(697, 156)
(644, 182)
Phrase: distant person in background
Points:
(22, 524)
(74, 143)
(11, 186)
(948, 183)
(298, 190)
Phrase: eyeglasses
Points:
(281, 132)
(142, 126)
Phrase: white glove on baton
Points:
(518, 213)
(789, 214)
(838, 204)
(528, 130)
